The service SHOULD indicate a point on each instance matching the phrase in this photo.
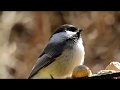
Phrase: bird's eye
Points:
(73, 29)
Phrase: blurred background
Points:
(23, 35)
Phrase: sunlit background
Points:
(23, 35)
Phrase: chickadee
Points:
(61, 55)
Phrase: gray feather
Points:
(51, 51)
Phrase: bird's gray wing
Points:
(49, 54)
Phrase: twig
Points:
(106, 76)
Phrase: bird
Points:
(63, 52)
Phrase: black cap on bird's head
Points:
(68, 27)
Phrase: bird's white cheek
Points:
(70, 34)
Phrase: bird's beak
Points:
(80, 30)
